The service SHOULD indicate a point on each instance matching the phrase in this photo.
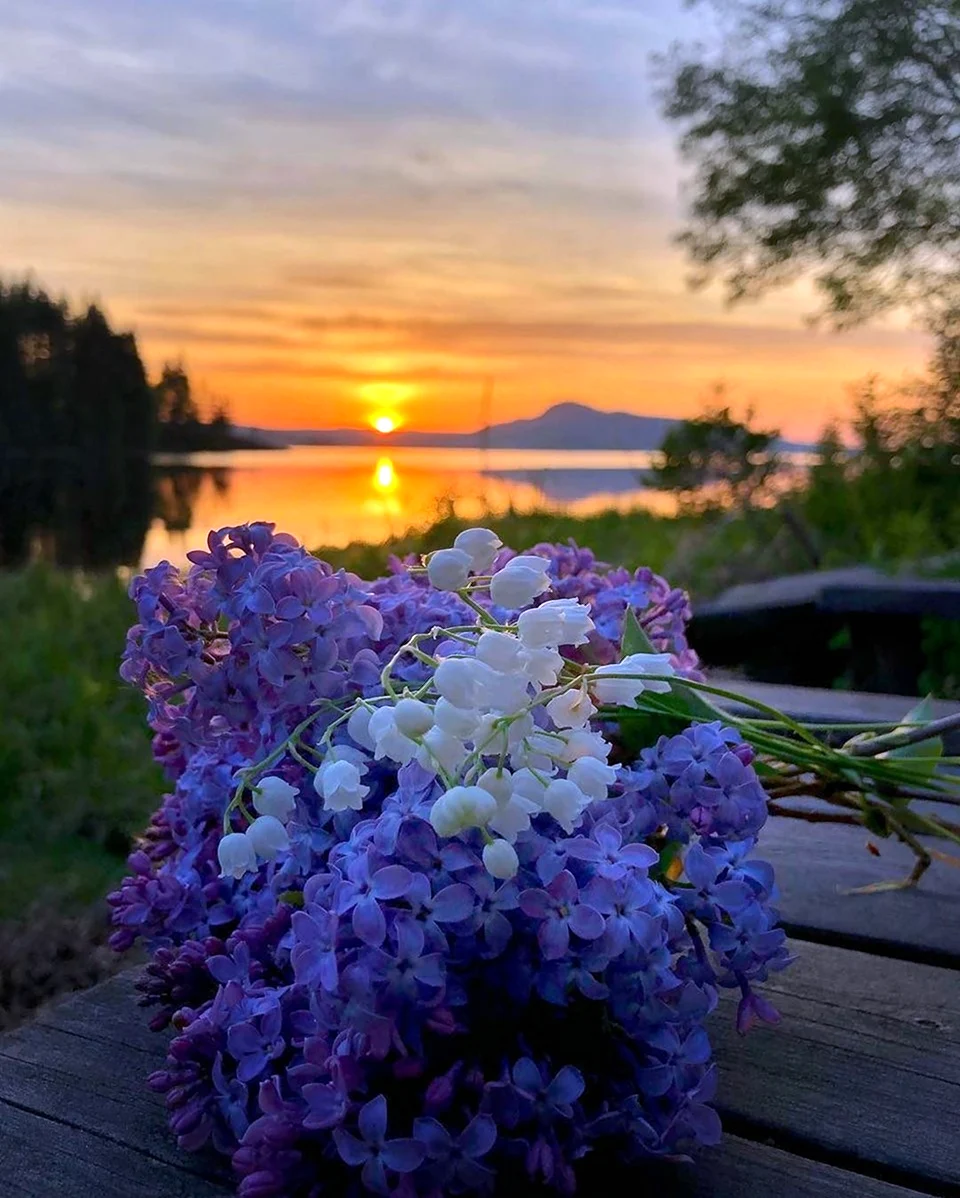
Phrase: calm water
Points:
(331, 495)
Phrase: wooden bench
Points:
(855, 1095)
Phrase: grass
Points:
(631, 539)
(78, 780)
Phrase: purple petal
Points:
(402, 1156)
(731, 896)
(582, 848)
(429, 970)
(564, 887)
(369, 922)
(497, 931)
(478, 1137)
(374, 1176)
(410, 939)
(566, 1087)
(391, 882)
(327, 1106)
(554, 937)
(640, 856)
(222, 969)
(586, 922)
(536, 903)
(373, 1120)
(699, 867)
(434, 1137)
(242, 1038)
(453, 903)
(526, 1075)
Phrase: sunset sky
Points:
(336, 209)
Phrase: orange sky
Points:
(336, 209)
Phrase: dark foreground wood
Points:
(855, 1095)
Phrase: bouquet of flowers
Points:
(453, 864)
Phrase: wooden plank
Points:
(744, 1169)
(818, 704)
(864, 1068)
(45, 1158)
(816, 863)
(861, 1075)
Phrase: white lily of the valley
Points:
(449, 569)
(481, 544)
(268, 837)
(273, 796)
(236, 855)
(623, 691)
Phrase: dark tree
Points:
(825, 136)
(716, 461)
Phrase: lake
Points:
(331, 495)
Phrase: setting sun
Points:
(384, 423)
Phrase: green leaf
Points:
(928, 752)
(635, 640)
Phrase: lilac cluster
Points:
(373, 1011)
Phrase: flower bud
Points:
(273, 796)
(236, 855)
(462, 807)
(499, 650)
(592, 776)
(520, 581)
(501, 859)
(457, 721)
(481, 544)
(412, 717)
(268, 837)
(449, 569)
(442, 750)
(358, 725)
(463, 681)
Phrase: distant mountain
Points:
(564, 426)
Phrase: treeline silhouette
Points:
(79, 421)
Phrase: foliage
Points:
(826, 138)
(892, 495)
(77, 778)
(78, 422)
(715, 461)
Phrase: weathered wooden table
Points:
(857, 1093)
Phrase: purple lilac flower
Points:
(375, 968)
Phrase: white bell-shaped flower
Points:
(481, 544)
(556, 622)
(520, 581)
(623, 691)
(571, 709)
(412, 717)
(268, 837)
(441, 751)
(501, 860)
(458, 721)
(463, 681)
(499, 650)
(338, 782)
(462, 807)
(273, 796)
(388, 740)
(358, 725)
(542, 666)
(593, 777)
(565, 801)
(578, 742)
(449, 569)
(236, 855)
